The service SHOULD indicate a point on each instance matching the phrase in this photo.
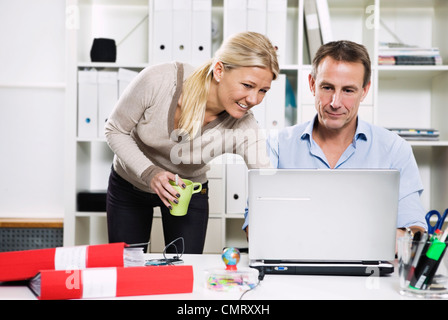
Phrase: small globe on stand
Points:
(231, 257)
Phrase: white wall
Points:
(32, 89)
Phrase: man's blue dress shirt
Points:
(373, 147)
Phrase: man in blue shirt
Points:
(336, 138)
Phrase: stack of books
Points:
(401, 54)
(417, 134)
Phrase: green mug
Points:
(181, 208)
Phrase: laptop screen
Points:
(322, 215)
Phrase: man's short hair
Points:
(346, 51)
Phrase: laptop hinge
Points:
(370, 262)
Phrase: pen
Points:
(427, 265)
(444, 235)
(408, 268)
(419, 242)
(436, 266)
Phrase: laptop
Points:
(323, 222)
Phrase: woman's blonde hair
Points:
(245, 49)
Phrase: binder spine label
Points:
(70, 258)
(99, 283)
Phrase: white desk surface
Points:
(273, 287)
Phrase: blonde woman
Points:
(170, 122)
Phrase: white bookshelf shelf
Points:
(112, 65)
(429, 144)
(401, 72)
(87, 214)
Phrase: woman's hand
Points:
(160, 184)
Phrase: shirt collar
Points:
(362, 131)
(308, 131)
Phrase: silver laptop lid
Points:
(323, 215)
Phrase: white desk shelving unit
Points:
(400, 96)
